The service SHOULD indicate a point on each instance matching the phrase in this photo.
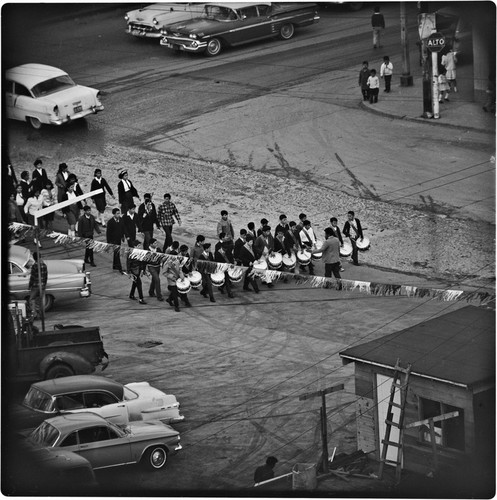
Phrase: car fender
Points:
(78, 363)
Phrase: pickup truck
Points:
(64, 351)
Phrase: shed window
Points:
(448, 433)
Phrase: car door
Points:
(251, 27)
(18, 278)
(104, 446)
(108, 406)
(23, 104)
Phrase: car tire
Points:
(155, 458)
(34, 122)
(287, 31)
(214, 46)
(59, 370)
(48, 302)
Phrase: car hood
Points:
(146, 392)
(151, 428)
(79, 94)
(199, 26)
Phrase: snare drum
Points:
(289, 262)
(317, 256)
(217, 278)
(195, 279)
(183, 285)
(275, 260)
(260, 265)
(235, 275)
(363, 245)
(304, 257)
(346, 250)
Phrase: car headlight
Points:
(154, 21)
(126, 18)
(193, 35)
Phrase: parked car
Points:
(148, 21)
(231, 24)
(117, 402)
(40, 94)
(104, 444)
(64, 276)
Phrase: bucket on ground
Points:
(304, 477)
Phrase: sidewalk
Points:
(460, 111)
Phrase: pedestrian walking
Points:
(147, 218)
(247, 258)
(135, 268)
(364, 74)
(331, 255)
(378, 25)
(71, 212)
(39, 176)
(224, 255)
(443, 87)
(225, 226)
(166, 213)
(352, 229)
(374, 87)
(34, 284)
(87, 225)
(10, 178)
(48, 200)
(61, 179)
(173, 272)
(13, 211)
(130, 220)
(126, 191)
(153, 268)
(98, 182)
(386, 72)
(449, 61)
(26, 186)
(116, 234)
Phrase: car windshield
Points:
(44, 435)
(129, 394)
(38, 400)
(219, 13)
(53, 85)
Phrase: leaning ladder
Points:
(397, 383)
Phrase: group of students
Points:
(370, 82)
(254, 249)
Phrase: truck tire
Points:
(58, 370)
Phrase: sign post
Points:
(435, 43)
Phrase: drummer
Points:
(247, 258)
(280, 247)
(337, 233)
(263, 246)
(308, 242)
(206, 276)
(173, 272)
(292, 243)
(352, 229)
(331, 255)
(224, 255)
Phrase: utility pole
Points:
(324, 424)
(406, 77)
(41, 213)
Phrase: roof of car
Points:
(19, 254)
(32, 74)
(70, 421)
(237, 5)
(77, 383)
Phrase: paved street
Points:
(262, 130)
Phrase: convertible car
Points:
(40, 94)
(104, 444)
(148, 21)
(64, 276)
(80, 393)
(231, 24)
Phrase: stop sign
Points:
(435, 42)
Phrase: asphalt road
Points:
(237, 367)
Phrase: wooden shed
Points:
(453, 369)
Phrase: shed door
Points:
(383, 387)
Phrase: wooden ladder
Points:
(397, 384)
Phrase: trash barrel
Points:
(304, 477)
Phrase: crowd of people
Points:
(291, 246)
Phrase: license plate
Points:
(78, 109)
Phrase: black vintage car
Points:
(231, 24)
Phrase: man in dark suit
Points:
(116, 232)
(39, 177)
(87, 225)
(336, 230)
(352, 229)
(130, 220)
(224, 255)
(247, 258)
(239, 242)
(147, 217)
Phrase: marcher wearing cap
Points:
(126, 191)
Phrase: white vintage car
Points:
(41, 94)
(149, 21)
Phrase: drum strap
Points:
(309, 239)
(354, 227)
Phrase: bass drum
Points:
(364, 244)
(183, 285)
(260, 265)
(317, 256)
(289, 262)
(304, 257)
(217, 279)
(346, 250)
(195, 279)
(235, 275)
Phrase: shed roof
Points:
(457, 348)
